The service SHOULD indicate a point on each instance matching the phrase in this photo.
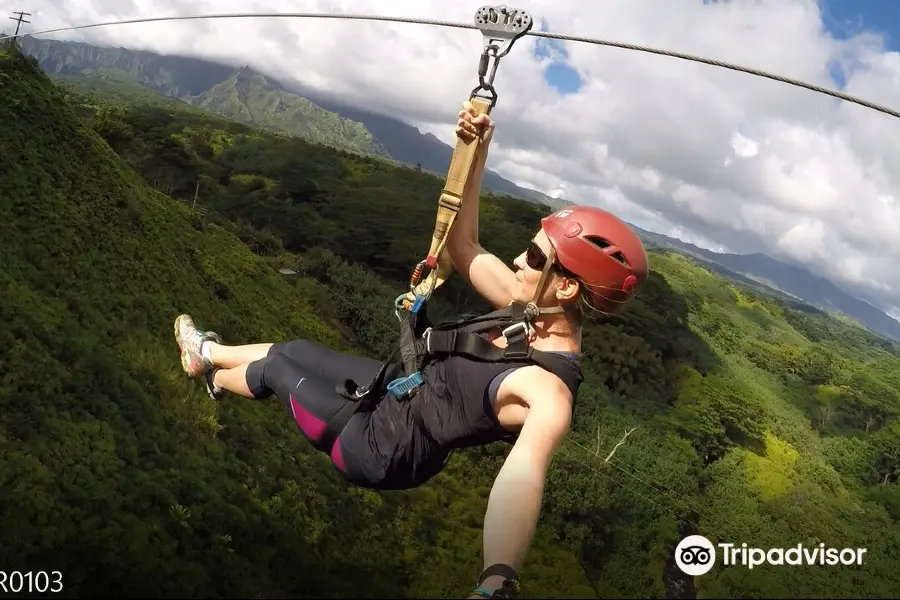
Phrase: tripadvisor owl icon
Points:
(695, 555)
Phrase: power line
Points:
(460, 25)
(19, 20)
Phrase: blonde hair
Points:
(583, 304)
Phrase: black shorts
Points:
(381, 448)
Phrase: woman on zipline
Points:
(581, 258)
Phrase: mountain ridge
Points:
(786, 278)
(250, 97)
(410, 146)
(172, 67)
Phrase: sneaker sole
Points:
(210, 386)
(185, 355)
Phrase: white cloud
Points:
(743, 146)
(724, 158)
(806, 241)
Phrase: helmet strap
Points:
(532, 310)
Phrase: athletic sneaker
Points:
(215, 392)
(190, 340)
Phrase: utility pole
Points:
(20, 19)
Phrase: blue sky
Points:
(843, 18)
(558, 73)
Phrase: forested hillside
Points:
(185, 76)
(239, 94)
(760, 270)
(751, 421)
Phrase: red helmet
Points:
(601, 250)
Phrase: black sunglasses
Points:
(535, 257)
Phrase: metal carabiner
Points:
(485, 80)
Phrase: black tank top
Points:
(452, 410)
(455, 407)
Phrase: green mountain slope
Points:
(248, 97)
(182, 76)
(116, 86)
(752, 422)
(410, 146)
(118, 471)
(787, 280)
(115, 469)
(175, 76)
(242, 95)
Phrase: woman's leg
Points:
(232, 380)
(332, 365)
(329, 364)
(304, 375)
(229, 364)
(201, 351)
(229, 357)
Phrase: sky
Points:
(725, 160)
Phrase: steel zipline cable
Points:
(460, 25)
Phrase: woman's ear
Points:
(568, 288)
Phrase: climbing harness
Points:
(420, 342)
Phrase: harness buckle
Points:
(403, 386)
(516, 333)
(426, 338)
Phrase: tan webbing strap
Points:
(449, 203)
(500, 26)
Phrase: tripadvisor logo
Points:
(695, 555)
